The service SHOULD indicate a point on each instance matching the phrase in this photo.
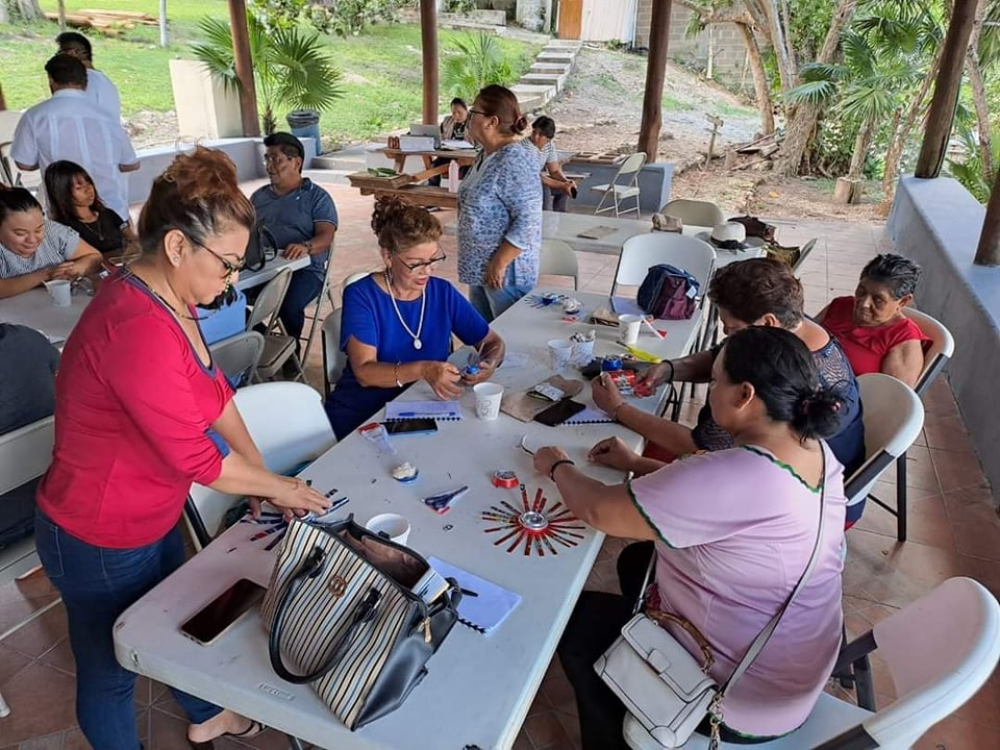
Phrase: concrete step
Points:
(565, 58)
(564, 43)
(533, 97)
(330, 176)
(340, 160)
(546, 67)
(545, 79)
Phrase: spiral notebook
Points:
(443, 410)
(484, 605)
(590, 415)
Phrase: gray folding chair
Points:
(238, 356)
(279, 347)
(620, 191)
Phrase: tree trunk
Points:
(62, 15)
(24, 10)
(861, 145)
(761, 86)
(978, 86)
(163, 23)
(656, 73)
(802, 124)
(897, 143)
(3, 102)
(780, 44)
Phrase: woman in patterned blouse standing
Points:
(499, 207)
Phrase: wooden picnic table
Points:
(464, 156)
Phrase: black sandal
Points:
(253, 730)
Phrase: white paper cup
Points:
(628, 328)
(391, 525)
(583, 352)
(488, 398)
(561, 352)
(61, 292)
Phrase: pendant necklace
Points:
(160, 297)
(417, 343)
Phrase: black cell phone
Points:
(559, 413)
(223, 612)
(411, 426)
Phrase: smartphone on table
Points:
(219, 615)
(411, 426)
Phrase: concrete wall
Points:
(726, 41)
(937, 223)
(205, 109)
(654, 184)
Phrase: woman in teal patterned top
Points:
(499, 207)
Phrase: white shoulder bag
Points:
(661, 683)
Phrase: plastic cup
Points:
(561, 352)
(583, 352)
(61, 292)
(628, 328)
(391, 526)
(488, 398)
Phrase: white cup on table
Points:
(561, 352)
(61, 291)
(583, 352)
(488, 398)
(390, 525)
(628, 328)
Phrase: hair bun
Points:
(818, 413)
(202, 175)
(520, 124)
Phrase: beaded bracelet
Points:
(560, 462)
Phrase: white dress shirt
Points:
(70, 126)
(104, 94)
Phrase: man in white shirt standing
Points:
(99, 87)
(70, 126)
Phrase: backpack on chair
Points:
(668, 293)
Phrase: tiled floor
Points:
(954, 530)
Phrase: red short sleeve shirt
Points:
(864, 346)
(134, 410)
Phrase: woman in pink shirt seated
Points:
(732, 532)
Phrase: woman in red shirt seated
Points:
(871, 327)
(141, 413)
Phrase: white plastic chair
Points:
(25, 454)
(279, 347)
(558, 259)
(940, 650)
(645, 250)
(619, 192)
(290, 428)
(942, 349)
(893, 417)
(238, 356)
(694, 213)
(804, 253)
(334, 359)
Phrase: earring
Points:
(177, 259)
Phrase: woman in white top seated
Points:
(34, 250)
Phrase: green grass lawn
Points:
(382, 67)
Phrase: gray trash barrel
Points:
(304, 123)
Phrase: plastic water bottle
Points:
(453, 176)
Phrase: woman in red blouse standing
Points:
(141, 413)
(871, 327)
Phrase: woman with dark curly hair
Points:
(755, 292)
(731, 532)
(871, 326)
(398, 322)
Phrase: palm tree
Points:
(476, 62)
(291, 68)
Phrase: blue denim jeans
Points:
(303, 289)
(98, 584)
(491, 303)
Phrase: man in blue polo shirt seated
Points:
(303, 220)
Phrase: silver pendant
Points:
(418, 344)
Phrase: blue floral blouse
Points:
(501, 199)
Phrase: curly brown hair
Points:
(750, 289)
(399, 224)
(199, 195)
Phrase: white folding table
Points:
(479, 687)
(251, 279)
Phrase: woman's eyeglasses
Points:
(424, 264)
(477, 112)
(231, 268)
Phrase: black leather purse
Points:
(342, 613)
(261, 247)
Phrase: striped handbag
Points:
(341, 613)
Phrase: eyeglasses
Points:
(231, 268)
(478, 112)
(412, 267)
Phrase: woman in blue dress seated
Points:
(397, 323)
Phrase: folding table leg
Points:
(4, 708)
(295, 743)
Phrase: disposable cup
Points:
(628, 328)
(61, 292)
(583, 352)
(488, 398)
(561, 352)
(390, 525)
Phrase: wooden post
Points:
(941, 114)
(656, 72)
(3, 102)
(988, 252)
(244, 67)
(429, 47)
